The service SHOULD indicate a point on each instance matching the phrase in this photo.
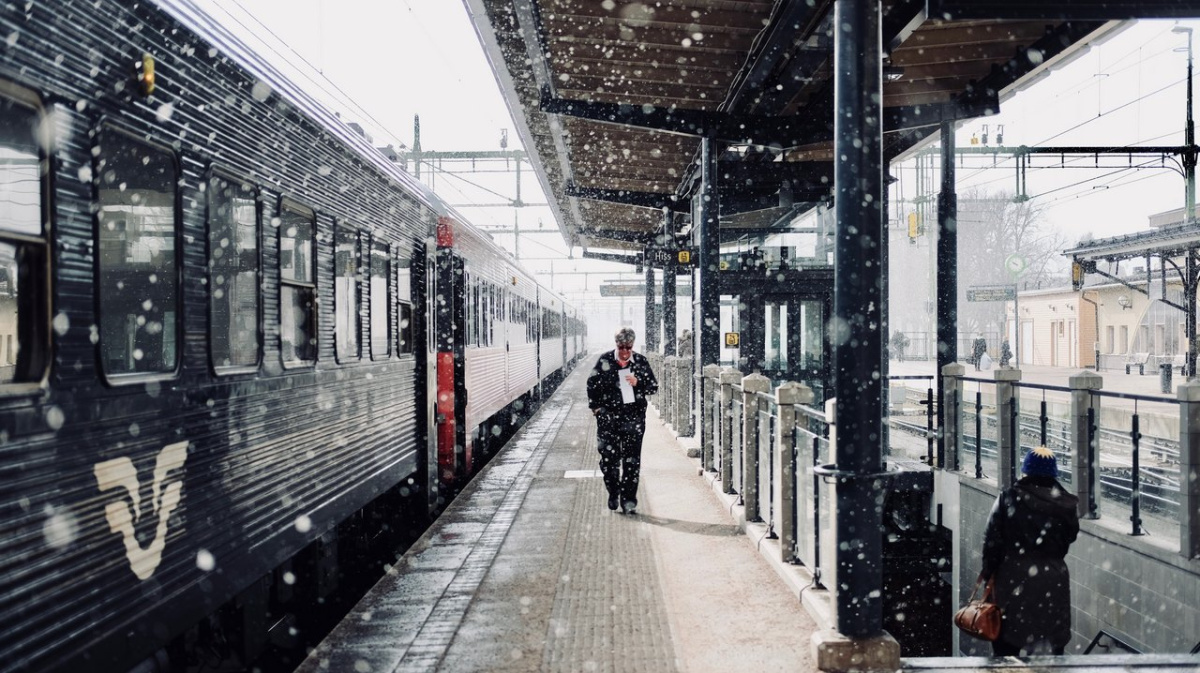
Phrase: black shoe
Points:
(612, 503)
(629, 507)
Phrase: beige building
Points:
(1062, 327)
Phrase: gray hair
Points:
(625, 335)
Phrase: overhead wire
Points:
(320, 80)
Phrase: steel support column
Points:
(858, 345)
(668, 290)
(670, 337)
(706, 286)
(652, 324)
(947, 275)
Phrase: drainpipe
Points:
(1096, 312)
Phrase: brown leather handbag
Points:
(980, 618)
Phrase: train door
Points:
(428, 299)
(451, 397)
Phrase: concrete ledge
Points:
(818, 603)
(841, 654)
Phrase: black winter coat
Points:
(1030, 528)
(603, 384)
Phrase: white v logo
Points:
(120, 473)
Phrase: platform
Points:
(528, 570)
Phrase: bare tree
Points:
(998, 235)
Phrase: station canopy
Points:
(612, 98)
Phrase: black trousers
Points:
(619, 440)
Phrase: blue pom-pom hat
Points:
(1040, 462)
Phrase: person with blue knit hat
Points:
(1030, 529)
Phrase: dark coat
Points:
(603, 386)
(1025, 546)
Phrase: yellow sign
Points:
(732, 339)
(723, 265)
(685, 257)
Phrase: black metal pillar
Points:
(858, 345)
(668, 309)
(947, 277)
(651, 312)
(668, 288)
(706, 286)
(1189, 299)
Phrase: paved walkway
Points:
(528, 570)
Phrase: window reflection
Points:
(23, 314)
(233, 273)
(297, 310)
(404, 297)
(381, 300)
(345, 299)
(137, 265)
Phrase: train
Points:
(235, 339)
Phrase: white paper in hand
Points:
(626, 388)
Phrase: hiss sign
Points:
(991, 294)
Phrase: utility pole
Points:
(1189, 174)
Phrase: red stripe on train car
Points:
(447, 422)
(445, 232)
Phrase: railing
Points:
(764, 447)
(1116, 451)
(1119, 452)
(676, 391)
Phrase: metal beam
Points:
(1063, 10)
(787, 131)
(656, 200)
(632, 260)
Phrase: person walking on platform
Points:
(1030, 528)
(617, 390)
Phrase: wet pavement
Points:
(528, 570)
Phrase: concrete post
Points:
(951, 431)
(1189, 468)
(708, 405)
(683, 397)
(729, 376)
(787, 396)
(751, 386)
(1007, 408)
(1082, 384)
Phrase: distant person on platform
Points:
(1005, 354)
(977, 350)
(1030, 528)
(684, 345)
(899, 345)
(617, 390)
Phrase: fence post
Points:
(1007, 410)
(751, 386)
(667, 389)
(1082, 385)
(729, 376)
(787, 396)
(952, 392)
(683, 397)
(711, 387)
(1189, 468)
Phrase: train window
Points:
(24, 330)
(137, 265)
(346, 259)
(381, 300)
(233, 226)
(404, 299)
(297, 286)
